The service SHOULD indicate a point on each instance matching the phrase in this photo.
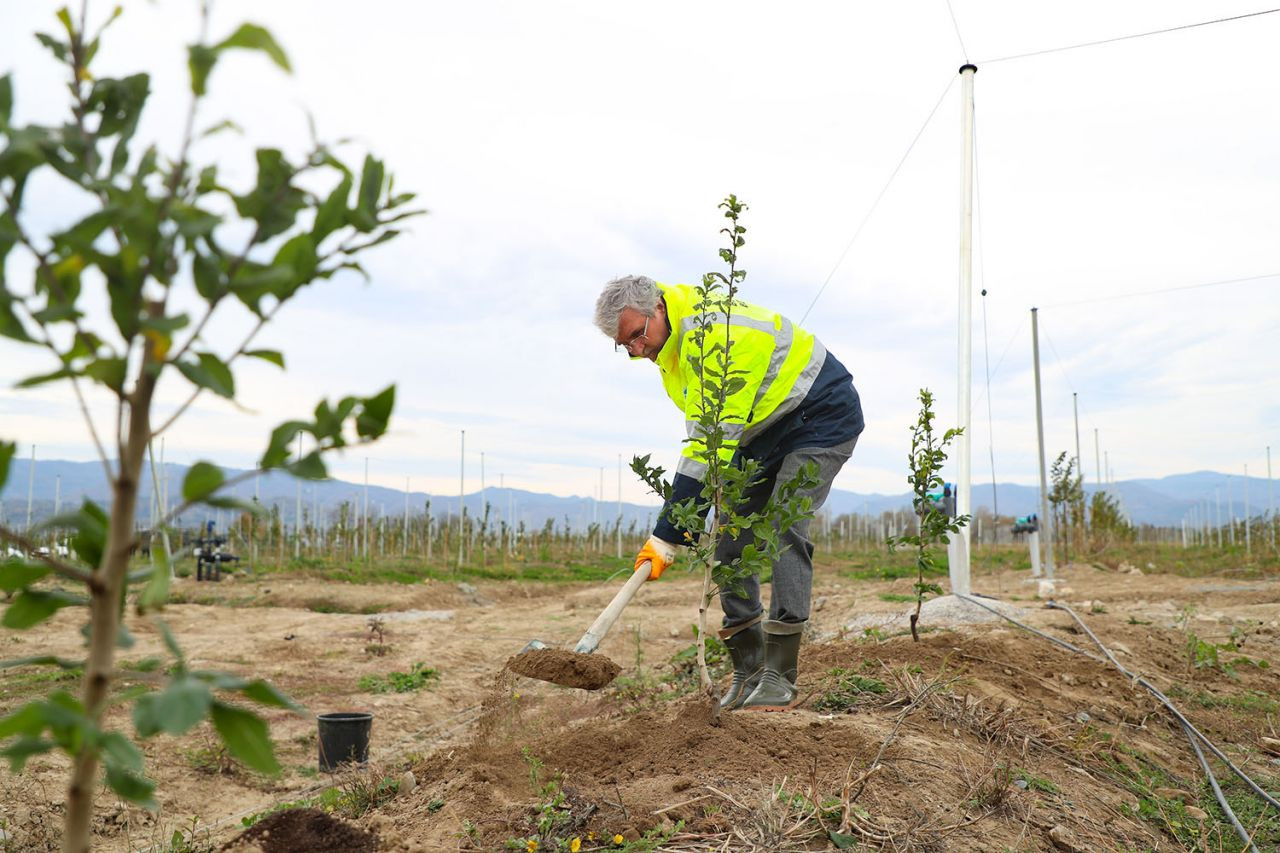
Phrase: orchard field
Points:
(979, 737)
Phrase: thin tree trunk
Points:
(105, 591)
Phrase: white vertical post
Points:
(57, 494)
(364, 520)
(1075, 412)
(1248, 552)
(164, 483)
(462, 491)
(958, 547)
(1046, 522)
(297, 510)
(1033, 543)
(404, 548)
(1217, 511)
(618, 532)
(1271, 500)
(1231, 515)
(31, 487)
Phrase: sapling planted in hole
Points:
(708, 349)
(925, 464)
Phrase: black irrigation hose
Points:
(1155, 691)
(1191, 731)
(1187, 729)
(1217, 792)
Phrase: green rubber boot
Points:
(746, 647)
(777, 688)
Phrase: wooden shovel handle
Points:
(605, 620)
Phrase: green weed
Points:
(418, 677)
(849, 689)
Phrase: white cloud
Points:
(560, 144)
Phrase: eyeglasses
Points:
(638, 337)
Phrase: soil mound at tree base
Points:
(570, 669)
(296, 830)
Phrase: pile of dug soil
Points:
(295, 830)
(977, 740)
(571, 669)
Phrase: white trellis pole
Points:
(618, 531)
(462, 486)
(958, 545)
(1271, 500)
(1248, 552)
(1046, 522)
(404, 548)
(297, 509)
(31, 487)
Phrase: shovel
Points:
(578, 668)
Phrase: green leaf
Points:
(207, 272)
(210, 372)
(132, 787)
(268, 694)
(842, 841)
(31, 607)
(202, 479)
(376, 412)
(200, 61)
(170, 642)
(7, 449)
(23, 748)
(175, 709)
(245, 734)
(27, 720)
(156, 592)
(6, 100)
(309, 467)
(371, 178)
(43, 660)
(90, 524)
(332, 214)
(10, 325)
(45, 378)
(254, 37)
(16, 573)
(118, 750)
(273, 356)
(108, 371)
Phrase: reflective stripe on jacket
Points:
(780, 361)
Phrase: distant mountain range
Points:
(1164, 501)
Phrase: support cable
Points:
(959, 37)
(1244, 280)
(1128, 37)
(1137, 679)
(986, 343)
(849, 245)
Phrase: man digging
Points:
(798, 405)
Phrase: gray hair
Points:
(631, 291)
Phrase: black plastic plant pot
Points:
(344, 738)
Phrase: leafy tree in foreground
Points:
(728, 477)
(161, 233)
(925, 462)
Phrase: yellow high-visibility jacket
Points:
(780, 361)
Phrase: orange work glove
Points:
(659, 554)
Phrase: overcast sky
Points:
(560, 144)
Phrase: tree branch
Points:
(60, 568)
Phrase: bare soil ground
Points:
(979, 737)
